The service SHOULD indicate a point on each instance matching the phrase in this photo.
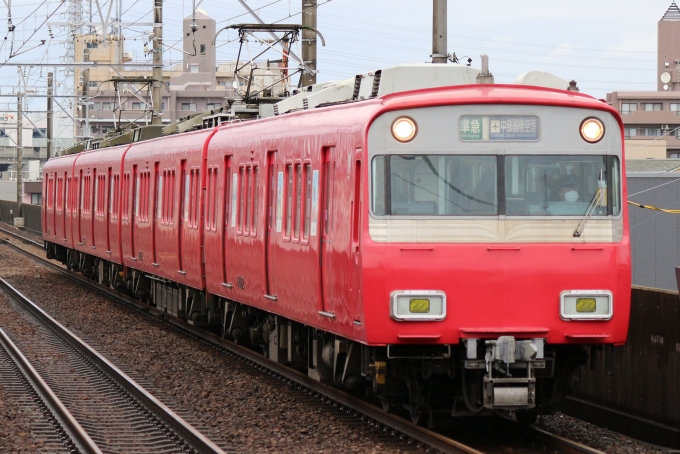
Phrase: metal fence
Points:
(654, 235)
(640, 380)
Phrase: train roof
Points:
(400, 86)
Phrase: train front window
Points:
(435, 185)
(561, 185)
(465, 185)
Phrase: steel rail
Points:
(22, 239)
(564, 444)
(173, 421)
(375, 416)
(80, 438)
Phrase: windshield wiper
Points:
(597, 200)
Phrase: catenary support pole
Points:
(20, 157)
(309, 8)
(50, 112)
(157, 62)
(439, 31)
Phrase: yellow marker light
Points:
(419, 306)
(404, 129)
(585, 305)
(592, 130)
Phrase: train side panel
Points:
(306, 188)
(163, 181)
(98, 172)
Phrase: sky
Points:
(605, 45)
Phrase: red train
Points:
(452, 249)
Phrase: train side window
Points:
(68, 195)
(256, 191)
(197, 204)
(126, 196)
(298, 200)
(234, 198)
(241, 198)
(289, 198)
(213, 220)
(209, 198)
(272, 196)
(168, 203)
(187, 196)
(249, 200)
(327, 196)
(159, 193)
(308, 201)
(60, 193)
(226, 192)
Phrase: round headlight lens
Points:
(404, 129)
(592, 130)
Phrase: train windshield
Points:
(463, 185)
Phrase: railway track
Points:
(390, 424)
(107, 410)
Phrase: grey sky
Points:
(605, 45)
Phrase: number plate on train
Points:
(419, 305)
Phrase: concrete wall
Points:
(654, 235)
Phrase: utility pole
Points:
(20, 157)
(85, 103)
(439, 31)
(309, 41)
(50, 93)
(157, 62)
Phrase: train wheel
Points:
(387, 404)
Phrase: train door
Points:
(274, 188)
(78, 209)
(135, 210)
(183, 195)
(108, 185)
(64, 210)
(92, 206)
(327, 218)
(156, 209)
(356, 209)
(228, 209)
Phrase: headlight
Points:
(418, 305)
(586, 305)
(592, 130)
(404, 129)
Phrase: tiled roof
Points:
(673, 13)
(652, 165)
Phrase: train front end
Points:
(497, 252)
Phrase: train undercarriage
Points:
(423, 382)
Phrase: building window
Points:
(107, 106)
(163, 105)
(37, 133)
(93, 84)
(651, 132)
(202, 50)
(674, 107)
(95, 106)
(628, 108)
(138, 106)
(652, 106)
(629, 132)
(193, 68)
(212, 106)
(188, 106)
(92, 45)
(36, 199)
(670, 156)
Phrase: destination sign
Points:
(500, 128)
